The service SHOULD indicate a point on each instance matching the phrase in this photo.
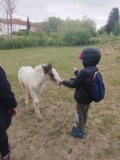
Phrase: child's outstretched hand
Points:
(74, 69)
(60, 82)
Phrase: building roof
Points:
(21, 22)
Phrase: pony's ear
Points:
(47, 68)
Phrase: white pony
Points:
(32, 82)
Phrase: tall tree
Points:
(8, 7)
(5, 11)
(116, 29)
(52, 24)
(28, 24)
(101, 31)
(89, 24)
(112, 20)
(70, 24)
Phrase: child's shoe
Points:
(77, 134)
(74, 128)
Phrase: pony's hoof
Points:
(39, 117)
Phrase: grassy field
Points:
(34, 140)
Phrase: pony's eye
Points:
(51, 75)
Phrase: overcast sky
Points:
(39, 10)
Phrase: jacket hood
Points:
(90, 57)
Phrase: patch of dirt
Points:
(32, 139)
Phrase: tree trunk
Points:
(11, 27)
(7, 26)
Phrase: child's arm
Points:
(76, 72)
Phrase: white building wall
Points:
(15, 27)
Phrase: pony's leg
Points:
(25, 91)
(36, 104)
(27, 95)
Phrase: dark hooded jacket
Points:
(83, 80)
(7, 97)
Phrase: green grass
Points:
(32, 139)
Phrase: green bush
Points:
(67, 38)
(20, 42)
(77, 37)
(95, 41)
